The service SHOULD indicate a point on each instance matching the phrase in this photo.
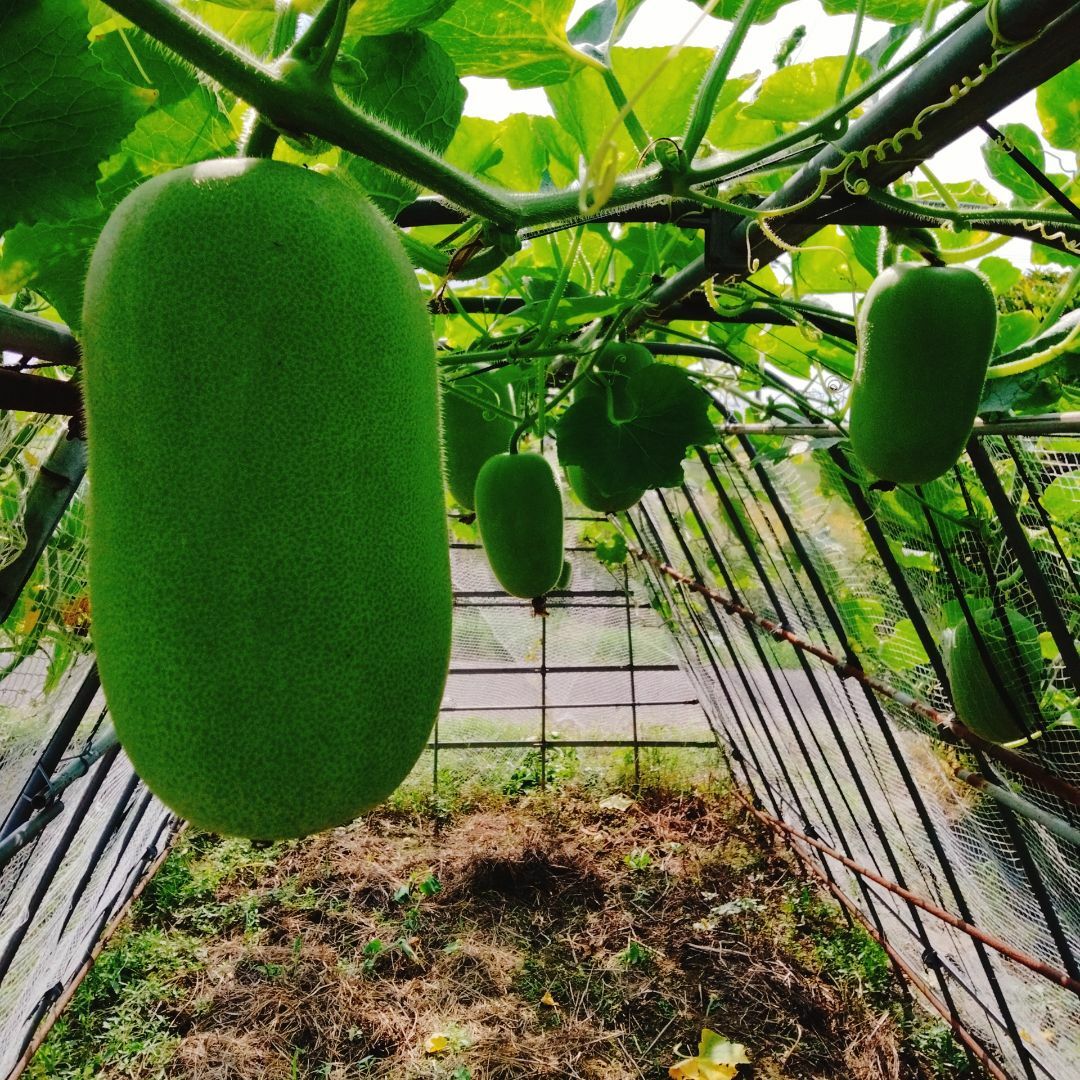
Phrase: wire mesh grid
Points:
(870, 778)
(529, 700)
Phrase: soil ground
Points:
(536, 936)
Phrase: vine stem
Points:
(853, 48)
(633, 125)
(712, 84)
(314, 109)
(1037, 360)
(1068, 291)
(319, 112)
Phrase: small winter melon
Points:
(590, 496)
(519, 513)
(471, 434)
(925, 336)
(1017, 659)
(566, 576)
(269, 566)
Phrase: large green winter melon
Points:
(925, 335)
(520, 516)
(1017, 659)
(472, 434)
(269, 565)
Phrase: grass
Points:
(493, 935)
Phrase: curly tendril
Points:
(879, 152)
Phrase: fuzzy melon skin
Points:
(269, 565)
(925, 336)
(593, 498)
(519, 513)
(978, 703)
(470, 438)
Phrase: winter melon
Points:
(925, 335)
(1017, 659)
(269, 564)
(520, 516)
(471, 434)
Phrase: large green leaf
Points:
(139, 60)
(827, 263)
(381, 17)
(902, 650)
(61, 112)
(520, 41)
(584, 107)
(519, 152)
(804, 91)
(1061, 499)
(604, 23)
(1006, 171)
(1058, 105)
(729, 9)
(193, 129)
(668, 413)
(409, 81)
(894, 11)
(51, 258)
(247, 24)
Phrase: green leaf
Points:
(410, 82)
(1003, 274)
(612, 551)
(804, 91)
(902, 650)
(51, 258)
(784, 347)
(827, 263)
(522, 42)
(139, 60)
(860, 616)
(1057, 102)
(1014, 329)
(517, 152)
(894, 11)
(1062, 498)
(382, 17)
(1044, 256)
(245, 23)
(191, 130)
(914, 558)
(1005, 171)
(61, 112)
(668, 413)
(729, 9)
(583, 106)
(864, 243)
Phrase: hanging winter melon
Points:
(925, 335)
(269, 565)
(520, 516)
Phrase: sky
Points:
(663, 22)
